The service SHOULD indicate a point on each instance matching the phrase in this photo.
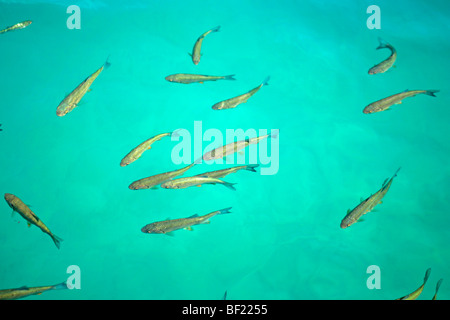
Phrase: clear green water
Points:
(282, 240)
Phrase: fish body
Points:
(224, 172)
(17, 26)
(192, 78)
(384, 104)
(187, 182)
(414, 295)
(71, 101)
(153, 181)
(196, 51)
(137, 152)
(234, 102)
(367, 205)
(18, 206)
(233, 147)
(386, 64)
(167, 226)
(22, 292)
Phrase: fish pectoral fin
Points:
(149, 147)
(398, 102)
(360, 220)
(201, 82)
(189, 228)
(28, 224)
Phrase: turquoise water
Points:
(282, 239)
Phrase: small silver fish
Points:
(196, 51)
(167, 226)
(386, 64)
(384, 104)
(234, 102)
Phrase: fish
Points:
(153, 181)
(192, 78)
(234, 102)
(72, 100)
(367, 205)
(196, 51)
(17, 26)
(386, 64)
(437, 289)
(137, 152)
(1, 128)
(224, 172)
(22, 292)
(18, 206)
(187, 182)
(384, 104)
(234, 147)
(167, 226)
(414, 295)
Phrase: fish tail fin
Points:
(229, 185)
(275, 134)
(230, 77)
(266, 81)
(57, 240)
(431, 92)
(107, 63)
(427, 275)
(216, 29)
(223, 211)
(62, 285)
(383, 44)
(176, 133)
(251, 167)
(199, 160)
(395, 174)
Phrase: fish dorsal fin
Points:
(193, 216)
(385, 181)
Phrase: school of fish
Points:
(172, 179)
